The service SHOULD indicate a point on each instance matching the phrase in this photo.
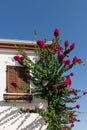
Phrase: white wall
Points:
(6, 58)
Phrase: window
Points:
(16, 74)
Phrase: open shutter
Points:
(16, 74)
(21, 78)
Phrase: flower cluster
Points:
(30, 110)
(19, 58)
(41, 43)
(52, 82)
(14, 84)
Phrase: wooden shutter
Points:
(66, 128)
(16, 74)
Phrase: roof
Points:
(14, 44)
(12, 41)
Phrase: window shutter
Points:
(16, 74)
(21, 78)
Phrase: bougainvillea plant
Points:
(52, 77)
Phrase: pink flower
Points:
(14, 84)
(16, 58)
(68, 81)
(28, 109)
(54, 87)
(21, 58)
(72, 74)
(78, 120)
(85, 92)
(75, 93)
(71, 115)
(76, 60)
(61, 56)
(29, 76)
(67, 62)
(59, 49)
(77, 106)
(72, 46)
(72, 125)
(56, 32)
(62, 89)
(66, 43)
(32, 91)
(40, 43)
(72, 90)
(75, 119)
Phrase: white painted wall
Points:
(6, 58)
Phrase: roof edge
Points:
(15, 44)
(12, 41)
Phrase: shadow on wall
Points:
(10, 118)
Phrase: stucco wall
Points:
(9, 113)
(6, 58)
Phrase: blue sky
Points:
(19, 19)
